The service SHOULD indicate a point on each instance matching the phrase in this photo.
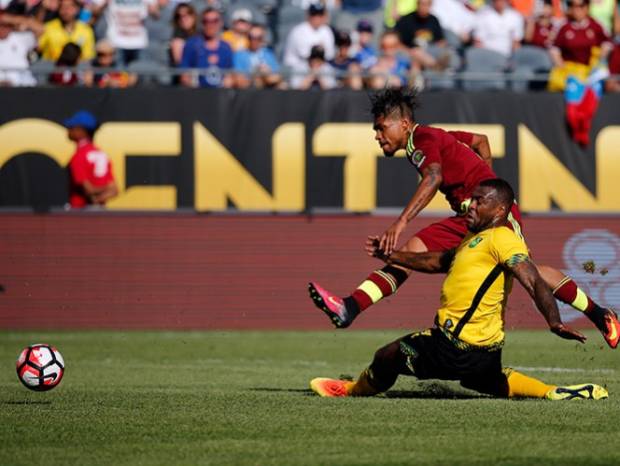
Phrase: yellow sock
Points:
(362, 386)
(522, 386)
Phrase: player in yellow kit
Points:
(466, 342)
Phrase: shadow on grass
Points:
(25, 402)
(431, 390)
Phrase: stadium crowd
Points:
(302, 45)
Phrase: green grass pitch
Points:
(241, 398)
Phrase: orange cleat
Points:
(330, 388)
(606, 320)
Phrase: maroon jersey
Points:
(576, 39)
(87, 164)
(461, 168)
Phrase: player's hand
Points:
(388, 240)
(373, 249)
(567, 333)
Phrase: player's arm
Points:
(527, 274)
(431, 180)
(109, 191)
(426, 262)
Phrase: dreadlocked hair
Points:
(386, 101)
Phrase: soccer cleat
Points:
(333, 306)
(330, 388)
(606, 320)
(588, 391)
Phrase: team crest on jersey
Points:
(475, 242)
(417, 157)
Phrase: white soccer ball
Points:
(40, 367)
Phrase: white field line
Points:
(561, 369)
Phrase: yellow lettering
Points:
(608, 168)
(354, 141)
(18, 137)
(140, 139)
(219, 176)
(543, 178)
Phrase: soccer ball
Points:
(40, 367)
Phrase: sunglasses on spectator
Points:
(255, 37)
(577, 5)
(105, 54)
(210, 20)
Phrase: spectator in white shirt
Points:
(455, 17)
(125, 19)
(313, 31)
(14, 49)
(498, 28)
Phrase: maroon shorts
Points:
(448, 233)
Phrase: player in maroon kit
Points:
(447, 163)
(90, 170)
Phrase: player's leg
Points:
(513, 384)
(384, 282)
(409, 355)
(566, 290)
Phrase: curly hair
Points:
(384, 102)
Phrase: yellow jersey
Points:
(55, 37)
(474, 293)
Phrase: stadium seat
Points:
(150, 72)
(288, 17)
(528, 61)
(481, 61)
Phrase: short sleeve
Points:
(463, 136)
(506, 245)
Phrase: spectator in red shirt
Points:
(90, 171)
(578, 36)
(540, 29)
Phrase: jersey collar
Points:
(410, 147)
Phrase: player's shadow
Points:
(25, 402)
(428, 390)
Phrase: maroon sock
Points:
(378, 285)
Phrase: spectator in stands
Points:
(208, 50)
(69, 57)
(304, 36)
(367, 54)
(540, 29)
(456, 19)
(613, 83)
(256, 65)
(347, 67)
(396, 9)
(126, 30)
(581, 39)
(42, 11)
(91, 182)
(318, 74)
(237, 35)
(106, 58)
(392, 68)
(184, 26)
(66, 28)
(353, 11)
(418, 31)
(14, 49)
(499, 28)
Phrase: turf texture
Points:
(242, 398)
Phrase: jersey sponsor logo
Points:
(417, 157)
(474, 242)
